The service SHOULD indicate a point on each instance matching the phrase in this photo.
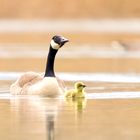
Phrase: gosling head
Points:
(58, 41)
(79, 86)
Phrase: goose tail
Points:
(15, 88)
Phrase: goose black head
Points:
(58, 41)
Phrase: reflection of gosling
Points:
(77, 92)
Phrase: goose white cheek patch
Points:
(54, 45)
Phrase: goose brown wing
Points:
(29, 78)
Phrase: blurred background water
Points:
(103, 52)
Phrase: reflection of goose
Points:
(43, 111)
(77, 92)
(34, 83)
(50, 126)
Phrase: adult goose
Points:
(32, 83)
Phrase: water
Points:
(110, 110)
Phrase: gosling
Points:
(77, 92)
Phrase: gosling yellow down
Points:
(77, 92)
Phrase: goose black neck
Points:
(49, 72)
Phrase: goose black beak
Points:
(63, 41)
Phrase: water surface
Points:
(110, 110)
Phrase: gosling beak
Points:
(84, 86)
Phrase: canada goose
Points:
(48, 84)
(77, 92)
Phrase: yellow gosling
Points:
(77, 92)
